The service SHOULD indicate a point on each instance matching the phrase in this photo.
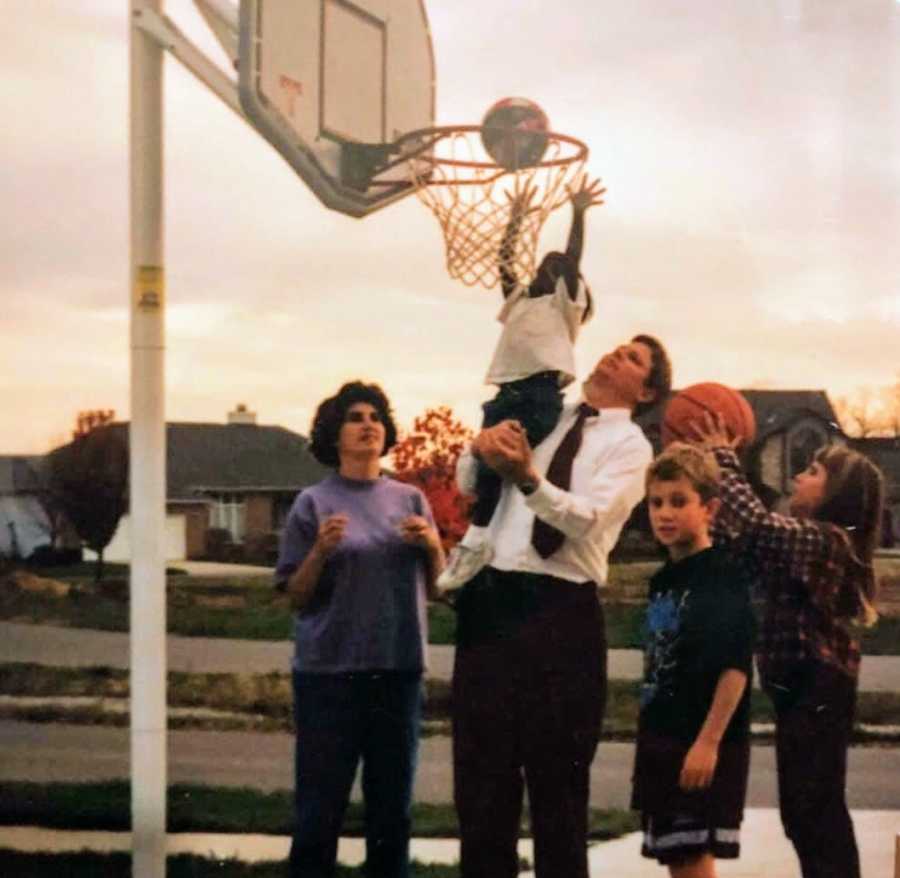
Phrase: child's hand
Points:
(710, 432)
(586, 193)
(699, 766)
(520, 200)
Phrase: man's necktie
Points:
(545, 538)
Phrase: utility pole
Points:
(147, 449)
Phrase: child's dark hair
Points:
(659, 380)
(679, 459)
(854, 500)
(568, 270)
(332, 413)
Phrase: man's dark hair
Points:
(332, 413)
(660, 378)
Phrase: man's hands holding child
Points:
(505, 449)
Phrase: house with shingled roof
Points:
(239, 478)
(790, 426)
(24, 524)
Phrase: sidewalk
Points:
(80, 647)
(765, 851)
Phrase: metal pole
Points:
(147, 450)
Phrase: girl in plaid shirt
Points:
(817, 576)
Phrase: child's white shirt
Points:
(539, 334)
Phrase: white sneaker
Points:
(464, 562)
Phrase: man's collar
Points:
(607, 414)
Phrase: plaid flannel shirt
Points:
(809, 573)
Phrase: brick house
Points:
(239, 477)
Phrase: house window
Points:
(229, 512)
(803, 443)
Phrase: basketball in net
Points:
(514, 133)
(691, 403)
(470, 175)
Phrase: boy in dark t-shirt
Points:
(693, 748)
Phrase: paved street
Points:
(49, 645)
(58, 752)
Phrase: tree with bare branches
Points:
(870, 411)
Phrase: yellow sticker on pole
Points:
(149, 287)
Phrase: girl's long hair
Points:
(854, 500)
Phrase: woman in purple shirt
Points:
(359, 558)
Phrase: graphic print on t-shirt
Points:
(664, 627)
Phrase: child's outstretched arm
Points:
(520, 207)
(772, 538)
(700, 762)
(584, 194)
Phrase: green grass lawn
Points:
(194, 808)
(263, 702)
(191, 808)
(245, 609)
(200, 608)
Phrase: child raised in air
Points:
(534, 359)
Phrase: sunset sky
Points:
(751, 149)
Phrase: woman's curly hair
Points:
(332, 413)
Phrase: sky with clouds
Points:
(751, 149)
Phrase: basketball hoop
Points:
(470, 194)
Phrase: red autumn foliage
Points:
(426, 457)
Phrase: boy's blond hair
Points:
(679, 459)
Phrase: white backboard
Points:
(318, 78)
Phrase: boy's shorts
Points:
(680, 825)
(677, 838)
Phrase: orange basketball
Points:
(689, 405)
(514, 133)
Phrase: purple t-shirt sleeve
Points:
(297, 540)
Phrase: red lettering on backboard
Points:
(294, 89)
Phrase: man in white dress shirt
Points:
(529, 685)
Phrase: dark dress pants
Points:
(340, 720)
(812, 737)
(529, 690)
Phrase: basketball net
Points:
(472, 197)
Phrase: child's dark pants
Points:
(535, 402)
(812, 737)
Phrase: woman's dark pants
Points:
(340, 719)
